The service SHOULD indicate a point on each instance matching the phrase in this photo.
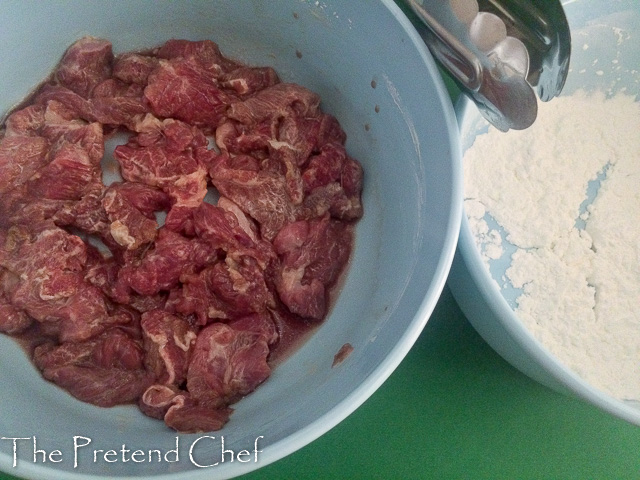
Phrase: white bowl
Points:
(601, 32)
(375, 75)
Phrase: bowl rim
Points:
(562, 378)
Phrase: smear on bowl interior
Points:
(140, 290)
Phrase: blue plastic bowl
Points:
(375, 75)
(610, 30)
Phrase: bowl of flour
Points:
(548, 262)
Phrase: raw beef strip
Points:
(341, 199)
(119, 110)
(260, 323)
(265, 194)
(205, 53)
(295, 140)
(283, 160)
(134, 68)
(130, 207)
(325, 167)
(187, 416)
(12, 320)
(20, 157)
(254, 140)
(225, 290)
(112, 87)
(247, 225)
(85, 64)
(313, 253)
(180, 411)
(330, 131)
(168, 341)
(26, 121)
(70, 175)
(51, 286)
(275, 101)
(86, 214)
(60, 127)
(249, 80)
(104, 371)
(157, 399)
(74, 103)
(101, 271)
(226, 365)
(180, 88)
(147, 200)
(172, 256)
(231, 232)
(261, 194)
(168, 159)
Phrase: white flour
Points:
(577, 266)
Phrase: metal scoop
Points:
(498, 51)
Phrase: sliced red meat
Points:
(187, 416)
(230, 231)
(330, 131)
(313, 254)
(86, 214)
(274, 102)
(157, 399)
(253, 140)
(20, 158)
(105, 371)
(112, 87)
(224, 290)
(167, 159)
(70, 175)
(85, 64)
(205, 53)
(180, 411)
(182, 89)
(116, 349)
(168, 341)
(51, 286)
(249, 80)
(325, 167)
(119, 110)
(299, 135)
(226, 365)
(133, 68)
(60, 128)
(26, 121)
(99, 386)
(172, 256)
(12, 319)
(130, 207)
(260, 323)
(262, 195)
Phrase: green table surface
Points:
(454, 409)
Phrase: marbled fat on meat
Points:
(140, 290)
